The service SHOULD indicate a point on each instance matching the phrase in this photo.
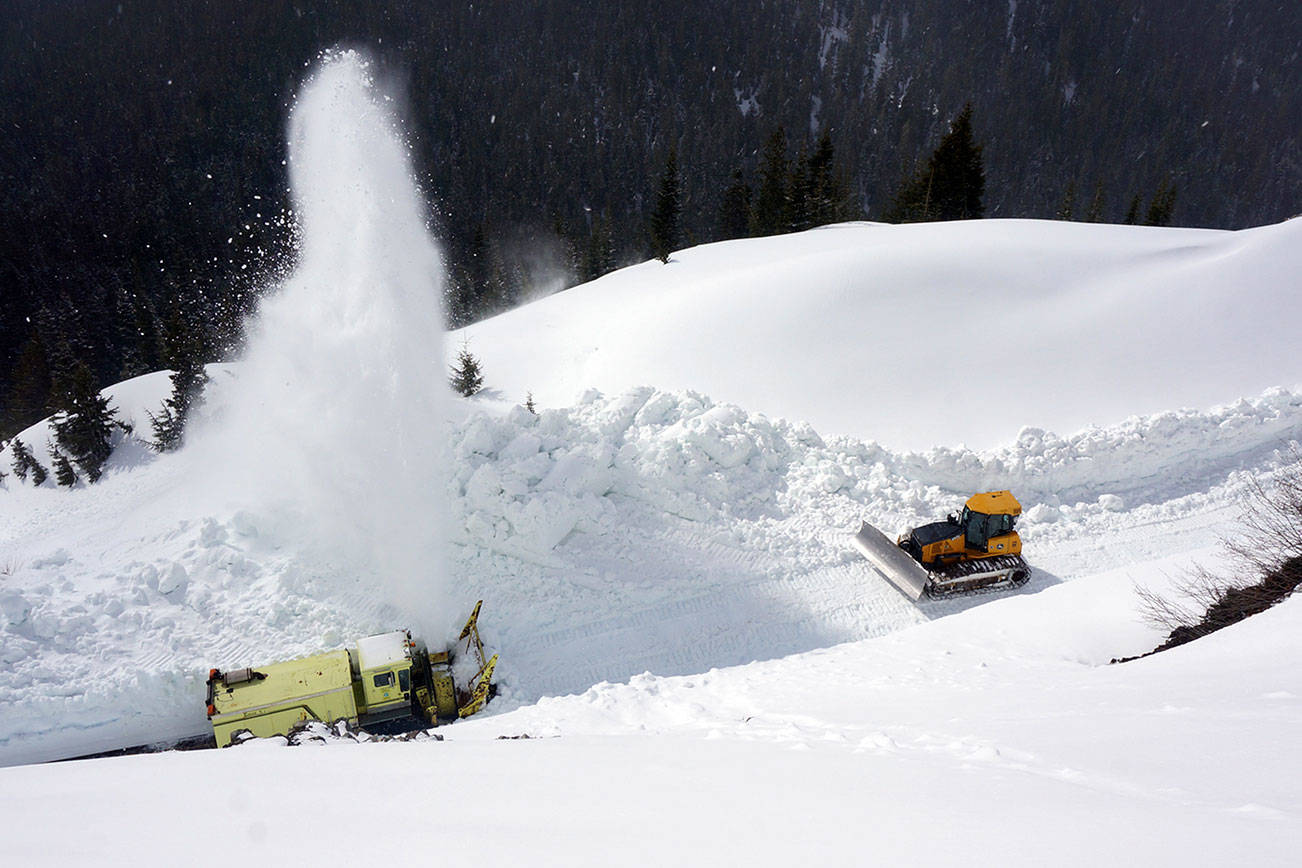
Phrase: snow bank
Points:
(600, 536)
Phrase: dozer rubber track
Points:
(982, 574)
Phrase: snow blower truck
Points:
(388, 681)
(977, 550)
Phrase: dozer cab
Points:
(387, 681)
(974, 551)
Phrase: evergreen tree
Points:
(598, 256)
(817, 192)
(1095, 212)
(1161, 206)
(21, 459)
(1132, 213)
(84, 424)
(1068, 203)
(528, 403)
(771, 202)
(185, 349)
(799, 195)
(29, 398)
(25, 463)
(467, 376)
(664, 219)
(64, 475)
(951, 186)
(734, 209)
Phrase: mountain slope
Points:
(929, 334)
(648, 529)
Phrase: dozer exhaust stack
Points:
(891, 562)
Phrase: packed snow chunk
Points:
(15, 608)
(524, 445)
(484, 485)
(211, 533)
(545, 521)
(57, 558)
(721, 434)
(173, 581)
(656, 410)
(1112, 503)
(586, 469)
(482, 436)
(1042, 513)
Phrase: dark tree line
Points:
(141, 167)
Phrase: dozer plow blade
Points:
(891, 562)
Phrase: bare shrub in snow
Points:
(1266, 564)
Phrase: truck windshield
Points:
(404, 680)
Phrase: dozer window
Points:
(404, 680)
(384, 679)
(976, 531)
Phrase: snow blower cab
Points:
(974, 551)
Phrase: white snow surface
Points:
(989, 325)
(705, 670)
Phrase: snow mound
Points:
(649, 530)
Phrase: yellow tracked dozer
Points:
(387, 682)
(976, 550)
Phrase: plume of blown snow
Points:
(330, 431)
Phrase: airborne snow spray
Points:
(331, 434)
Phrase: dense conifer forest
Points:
(143, 191)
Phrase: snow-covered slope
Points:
(926, 334)
(706, 671)
(998, 734)
(648, 531)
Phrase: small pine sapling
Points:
(25, 463)
(63, 472)
(467, 376)
(21, 459)
(185, 355)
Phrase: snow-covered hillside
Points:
(706, 671)
(926, 334)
